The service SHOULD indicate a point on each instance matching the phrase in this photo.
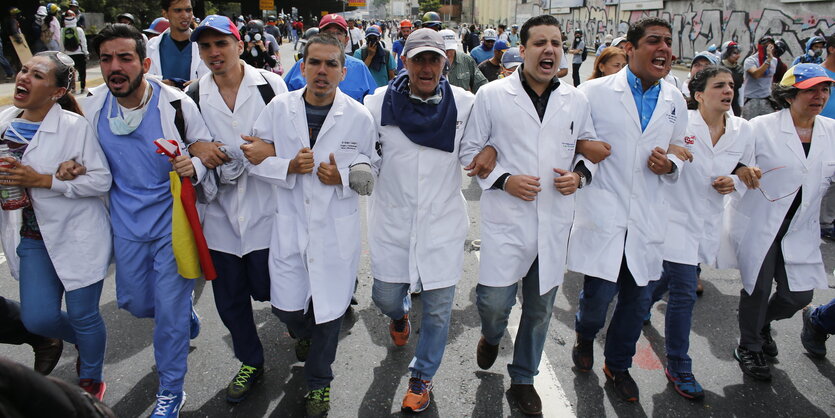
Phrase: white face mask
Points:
(125, 124)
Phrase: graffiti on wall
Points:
(695, 31)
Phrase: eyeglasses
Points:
(60, 56)
(771, 181)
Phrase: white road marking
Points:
(554, 401)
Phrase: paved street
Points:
(371, 374)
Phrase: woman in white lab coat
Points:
(63, 242)
(718, 142)
(774, 231)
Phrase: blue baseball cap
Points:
(512, 58)
(372, 31)
(501, 46)
(709, 56)
(218, 23)
(803, 76)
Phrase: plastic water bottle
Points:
(11, 197)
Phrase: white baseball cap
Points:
(450, 41)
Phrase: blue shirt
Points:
(397, 50)
(357, 83)
(480, 55)
(140, 197)
(645, 101)
(829, 109)
(174, 62)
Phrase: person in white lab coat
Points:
(533, 120)
(618, 230)
(718, 142)
(773, 232)
(319, 133)
(418, 216)
(237, 220)
(174, 57)
(128, 112)
(58, 245)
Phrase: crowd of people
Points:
(632, 178)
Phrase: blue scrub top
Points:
(645, 101)
(357, 83)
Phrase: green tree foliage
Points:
(429, 5)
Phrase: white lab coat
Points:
(514, 232)
(195, 127)
(418, 217)
(239, 220)
(315, 246)
(198, 68)
(625, 195)
(694, 217)
(753, 221)
(71, 215)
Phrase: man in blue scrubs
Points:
(357, 82)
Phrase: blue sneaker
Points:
(169, 404)
(194, 330)
(685, 384)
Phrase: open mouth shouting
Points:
(20, 92)
(118, 82)
(660, 63)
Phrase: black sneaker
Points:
(812, 337)
(583, 354)
(753, 363)
(302, 349)
(242, 383)
(769, 346)
(625, 386)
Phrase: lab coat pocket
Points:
(348, 234)
(287, 236)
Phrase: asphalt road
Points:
(371, 374)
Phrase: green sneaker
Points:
(302, 349)
(317, 402)
(242, 383)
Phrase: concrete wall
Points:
(697, 25)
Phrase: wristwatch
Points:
(582, 180)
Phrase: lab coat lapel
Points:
(333, 115)
(48, 126)
(626, 98)
(818, 142)
(729, 137)
(555, 104)
(663, 106)
(298, 118)
(791, 138)
(522, 100)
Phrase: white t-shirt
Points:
(355, 36)
(758, 88)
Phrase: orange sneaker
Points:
(400, 330)
(417, 397)
(95, 389)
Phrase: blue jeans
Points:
(494, 305)
(148, 286)
(680, 279)
(41, 292)
(394, 300)
(239, 280)
(324, 339)
(824, 317)
(627, 321)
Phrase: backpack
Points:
(584, 54)
(70, 37)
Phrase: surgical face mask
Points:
(125, 123)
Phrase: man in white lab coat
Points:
(533, 120)
(619, 225)
(319, 135)
(238, 217)
(418, 217)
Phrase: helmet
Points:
(254, 30)
(52, 8)
(127, 16)
(270, 18)
(431, 19)
(780, 48)
(14, 11)
(310, 33)
(576, 31)
(158, 26)
(417, 23)
(405, 23)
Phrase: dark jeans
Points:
(81, 68)
(575, 73)
(680, 280)
(323, 341)
(757, 309)
(824, 317)
(239, 280)
(627, 321)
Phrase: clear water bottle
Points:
(11, 197)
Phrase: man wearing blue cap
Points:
(239, 208)
(491, 68)
(357, 81)
(379, 60)
(700, 61)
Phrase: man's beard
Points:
(134, 84)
